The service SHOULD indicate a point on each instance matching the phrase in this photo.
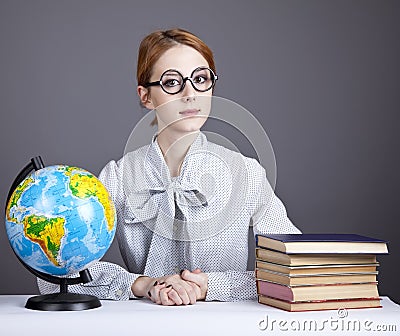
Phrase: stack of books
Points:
(318, 271)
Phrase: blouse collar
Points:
(158, 171)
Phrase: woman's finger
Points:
(164, 296)
(196, 290)
(154, 292)
(181, 292)
(190, 291)
(174, 296)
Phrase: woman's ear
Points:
(144, 96)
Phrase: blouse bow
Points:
(147, 204)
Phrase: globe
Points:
(60, 220)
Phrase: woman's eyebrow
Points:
(171, 70)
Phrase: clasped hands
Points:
(176, 289)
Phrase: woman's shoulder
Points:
(243, 168)
(133, 156)
(247, 162)
(129, 159)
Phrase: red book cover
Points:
(317, 292)
(274, 290)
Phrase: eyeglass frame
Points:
(184, 79)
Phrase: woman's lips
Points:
(189, 113)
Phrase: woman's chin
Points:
(192, 124)
(187, 124)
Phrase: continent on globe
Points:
(84, 186)
(16, 196)
(47, 232)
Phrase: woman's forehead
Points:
(182, 58)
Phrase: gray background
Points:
(322, 77)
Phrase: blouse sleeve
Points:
(110, 281)
(231, 286)
(268, 215)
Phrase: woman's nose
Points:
(188, 93)
(189, 99)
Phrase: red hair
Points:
(154, 45)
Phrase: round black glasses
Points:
(173, 82)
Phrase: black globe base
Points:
(63, 302)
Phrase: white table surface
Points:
(142, 317)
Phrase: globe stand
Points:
(62, 301)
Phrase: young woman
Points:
(184, 204)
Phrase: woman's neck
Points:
(174, 147)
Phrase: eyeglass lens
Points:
(202, 80)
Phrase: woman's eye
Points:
(171, 82)
(199, 79)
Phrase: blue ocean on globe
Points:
(60, 220)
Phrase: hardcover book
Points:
(313, 259)
(317, 292)
(320, 304)
(315, 279)
(317, 269)
(322, 243)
